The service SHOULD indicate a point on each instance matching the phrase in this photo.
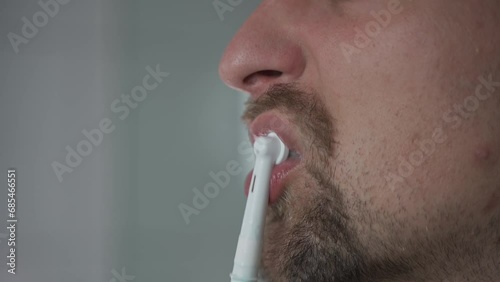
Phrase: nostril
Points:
(254, 77)
(271, 73)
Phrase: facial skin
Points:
(401, 177)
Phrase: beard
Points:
(313, 241)
(309, 234)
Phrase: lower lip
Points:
(278, 179)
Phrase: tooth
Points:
(293, 154)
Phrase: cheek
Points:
(393, 151)
(384, 102)
(402, 158)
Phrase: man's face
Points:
(394, 110)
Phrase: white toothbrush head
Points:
(272, 146)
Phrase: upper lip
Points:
(272, 122)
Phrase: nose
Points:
(264, 52)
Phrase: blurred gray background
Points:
(115, 217)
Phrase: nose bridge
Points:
(263, 52)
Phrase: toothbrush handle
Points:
(249, 249)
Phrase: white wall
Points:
(119, 207)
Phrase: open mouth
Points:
(283, 172)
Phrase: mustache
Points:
(284, 97)
(305, 108)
